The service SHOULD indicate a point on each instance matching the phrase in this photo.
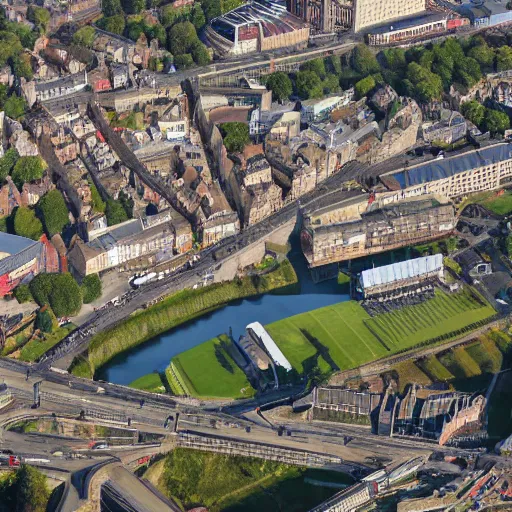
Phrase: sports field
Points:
(344, 336)
(209, 371)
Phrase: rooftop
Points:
(446, 167)
(13, 244)
(16, 251)
(397, 25)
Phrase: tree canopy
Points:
(91, 288)
(280, 85)
(54, 212)
(364, 61)
(236, 136)
(7, 163)
(496, 122)
(27, 169)
(60, 291)
(39, 16)
(44, 321)
(364, 86)
(27, 224)
(85, 36)
(114, 24)
(115, 212)
(15, 106)
(308, 85)
(473, 111)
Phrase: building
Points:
(120, 76)
(256, 26)
(352, 228)
(473, 265)
(387, 279)
(319, 109)
(20, 260)
(56, 88)
(257, 331)
(466, 173)
(418, 27)
(337, 15)
(450, 128)
(124, 242)
(484, 13)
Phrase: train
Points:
(9, 460)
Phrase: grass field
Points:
(150, 382)
(460, 364)
(344, 336)
(434, 369)
(175, 310)
(34, 349)
(430, 319)
(209, 371)
(409, 372)
(225, 483)
(486, 354)
(501, 205)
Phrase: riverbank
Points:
(176, 310)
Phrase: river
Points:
(155, 354)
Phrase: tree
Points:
(15, 106)
(113, 24)
(467, 71)
(84, 36)
(316, 66)
(184, 61)
(27, 224)
(60, 291)
(481, 52)
(32, 493)
(394, 58)
(22, 66)
(27, 169)
(10, 46)
(280, 85)
(25, 34)
(235, 135)
(115, 212)
(181, 37)
(364, 86)
(504, 58)
(98, 205)
(7, 163)
(473, 111)
(44, 321)
(127, 203)
(54, 212)
(496, 122)
(157, 31)
(111, 7)
(308, 85)
(426, 85)
(133, 6)
(22, 293)
(200, 53)
(364, 61)
(197, 17)
(333, 64)
(135, 29)
(211, 9)
(331, 84)
(229, 5)
(39, 16)
(91, 288)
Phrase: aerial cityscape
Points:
(255, 255)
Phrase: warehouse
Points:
(380, 281)
(256, 26)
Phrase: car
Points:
(100, 446)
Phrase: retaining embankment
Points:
(174, 311)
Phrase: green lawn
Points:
(150, 382)
(34, 349)
(486, 354)
(434, 369)
(501, 205)
(346, 336)
(209, 370)
(233, 483)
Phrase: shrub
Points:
(91, 288)
(22, 293)
(44, 321)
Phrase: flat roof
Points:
(403, 270)
(20, 251)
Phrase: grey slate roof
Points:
(21, 250)
(447, 167)
(110, 239)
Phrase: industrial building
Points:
(257, 26)
(20, 260)
(466, 173)
(386, 280)
(484, 13)
(350, 229)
